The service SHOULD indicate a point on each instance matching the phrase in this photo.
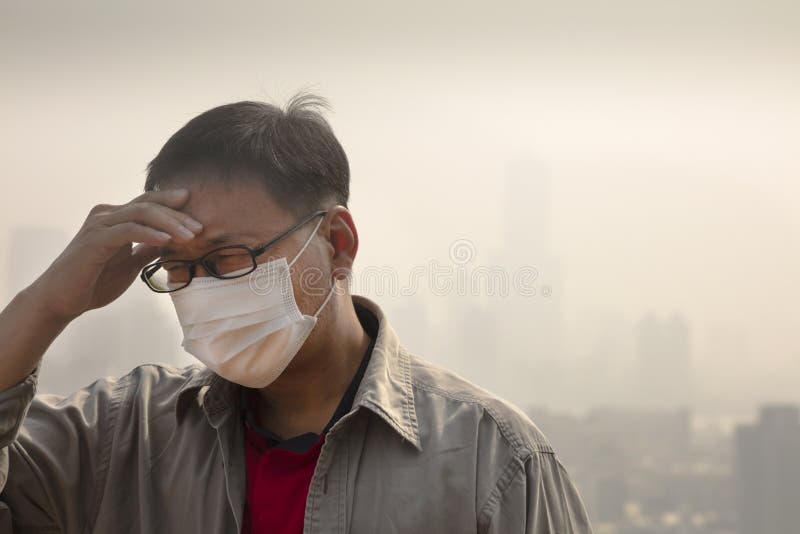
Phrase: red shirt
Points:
(277, 485)
(279, 471)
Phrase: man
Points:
(308, 415)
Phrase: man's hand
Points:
(100, 262)
(97, 266)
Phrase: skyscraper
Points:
(768, 472)
(531, 330)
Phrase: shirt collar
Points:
(385, 388)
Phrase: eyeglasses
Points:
(231, 261)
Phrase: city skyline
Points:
(628, 367)
(587, 208)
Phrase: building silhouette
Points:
(531, 332)
(767, 456)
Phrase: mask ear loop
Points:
(324, 302)
(308, 241)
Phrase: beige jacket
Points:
(161, 450)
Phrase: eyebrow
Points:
(219, 240)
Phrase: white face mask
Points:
(246, 329)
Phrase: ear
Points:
(343, 239)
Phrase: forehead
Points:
(229, 207)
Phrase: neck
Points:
(305, 396)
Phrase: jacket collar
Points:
(385, 389)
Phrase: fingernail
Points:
(163, 236)
(185, 232)
(193, 225)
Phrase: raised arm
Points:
(48, 469)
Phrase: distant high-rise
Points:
(664, 362)
(530, 333)
(768, 472)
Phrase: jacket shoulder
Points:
(156, 385)
(521, 433)
(162, 373)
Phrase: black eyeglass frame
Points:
(254, 253)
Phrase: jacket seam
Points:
(504, 481)
(120, 389)
(411, 416)
(518, 446)
(562, 499)
(342, 475)
(24, 398)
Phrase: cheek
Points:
(310, 283)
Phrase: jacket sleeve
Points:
(14, 404)
(536, 496)
(54, 455)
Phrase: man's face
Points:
(240, 211)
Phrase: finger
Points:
(127, 233)
(180, 226)
(103, 208)
(173, 198)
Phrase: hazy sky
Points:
(662, 138)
